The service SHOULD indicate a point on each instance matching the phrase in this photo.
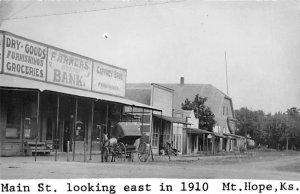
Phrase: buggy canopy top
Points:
(126, 129)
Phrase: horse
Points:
(110, 143)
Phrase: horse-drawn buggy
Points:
(122, 145)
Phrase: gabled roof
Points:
(214, 96)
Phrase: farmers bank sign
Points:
(69, 70)
(29, 59)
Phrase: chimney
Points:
(181, 80)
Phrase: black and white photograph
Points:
(149, 89)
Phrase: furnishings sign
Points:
(24, 58)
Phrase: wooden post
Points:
(161, 129)
(203, 141)
(84, 150)
(74, 127)
(68, 150)
(37, 123)
(92, 130)
(131, 113)
(207, 144)
(57, 125)
(142, 126)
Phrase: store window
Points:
(13, 119)
(155, 134)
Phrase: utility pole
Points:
(226, 74)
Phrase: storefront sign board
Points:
(108, 79)
(69, 69)
(24, 58)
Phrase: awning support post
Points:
(207, 144)
(121, 113)
(203, 141)
(57, 125)
(161, 129)
(106, 121)
(142, 125)
(131, 113)
(74, 127)
(92, 130)
(37, 123)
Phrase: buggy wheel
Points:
(120, 152)
(107, 154)
(143, 153)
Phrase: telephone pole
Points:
(226, 74)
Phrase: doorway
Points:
(67, 135)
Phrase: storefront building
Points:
(185, 134)
(59, 98)
(157, 127)
(221, 137)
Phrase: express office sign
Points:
(107, 79)
(24, 58)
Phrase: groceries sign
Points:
(22, 57)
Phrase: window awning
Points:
(18, 82)
(198, 131)
(171, 119)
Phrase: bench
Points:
(39, 148)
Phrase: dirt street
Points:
(264, 165)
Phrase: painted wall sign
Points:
(109, 80)
(24, 58)
(1, 51)
(69, 70)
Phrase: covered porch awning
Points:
(197, 131)
(233, 136)
(24, 83)
(219, 135)
(171, 119)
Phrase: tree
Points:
(293, 127)
(281, 130)
(250, 124)
(201, 111)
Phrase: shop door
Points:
(67, 135)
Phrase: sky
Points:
(161, 41)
